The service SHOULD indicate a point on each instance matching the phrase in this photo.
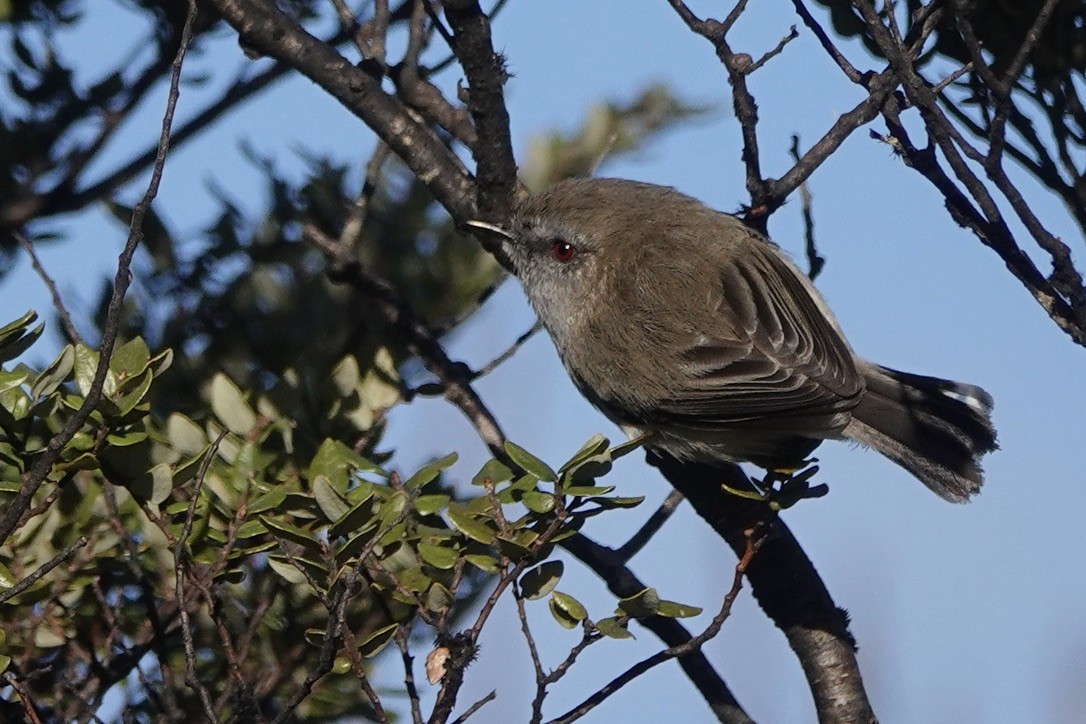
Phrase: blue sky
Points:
(963, 613)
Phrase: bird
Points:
(681, 323)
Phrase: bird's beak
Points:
(492, 228)
(506, 249)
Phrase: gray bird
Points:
(679, 320)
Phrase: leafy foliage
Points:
(275, 540)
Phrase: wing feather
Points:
(775, 353)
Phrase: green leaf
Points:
(541, 580)
(439, 598)
(294, 533)
(485, 563)
(160, 362)
(7, 578)
(493, 470)
(513, 550)
(335, 461)
(130, 359)
(86, 363)
(463, 521)
(128, 401)
(268, 501)
(427, 473)
(127, 437)
(438, 556)
(251, 529)
(640, 605)
(230, 407)
(328, 499)
(372, 644)
(54, 375)
(354, 520)
(16, 329)
(671, 609)
(161, 483)
(414, 579)
(185, 436)
(11, 380)
(619, 502)
(380, 387)
(614, 627)
(530, 463)
(14, 346)
(427, 504)
(587, 491)
(628, 447)
(538, 502)
(392, 508)
(286, 571)
(593, 446)
(566, 609)
(16, 402)
(346, 376)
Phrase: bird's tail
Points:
(936, 429)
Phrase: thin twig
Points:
(181, 560)
(44, 569)
(755, 537)
(774, 52)
(508, 353)
(622, 582)
(815, 261)
(403, 634)
(452, 376)
(30, 711)
(476, 707)
(58, 303)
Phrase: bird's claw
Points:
(782, 488)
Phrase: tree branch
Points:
(786, 586)
(274, 33)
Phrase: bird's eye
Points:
(562, 251)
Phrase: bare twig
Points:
(754, 541)
(508, 353)
(452, 376)
(606, 563)
(274, 33)
(356, 219)
(815, 261)
(403, 634)
(30, 711)
(44, 569)
(58, 303)
(746, 109)
(777, 50)
(181, 562)
(476, 707)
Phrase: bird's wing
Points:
(767, 350)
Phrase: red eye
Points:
(562, 251)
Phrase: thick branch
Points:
(786, 586)
(262, 26)
(496, 169)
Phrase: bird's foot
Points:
(781, 488)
